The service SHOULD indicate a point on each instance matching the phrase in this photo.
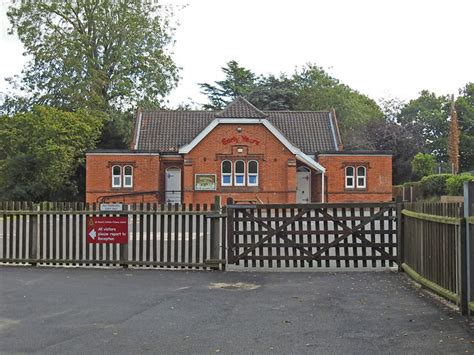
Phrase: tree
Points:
(453, 146)
(238, 81)
(40, 151)
(317, 90)
(423, 165)
(428, 117)
(465, 111)
(274, 93)
(103, 55)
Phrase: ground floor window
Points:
(239, 173)
(355, 177)
(122, 176)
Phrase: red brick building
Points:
(241, 152)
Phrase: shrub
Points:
(454, 184)
(423, 165)
(434, 185)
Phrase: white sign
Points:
(111, 207)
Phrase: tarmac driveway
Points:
(49, 310)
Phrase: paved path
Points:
(60, 311)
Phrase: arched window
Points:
(350, 177)
(127, 176)
(226, 173)
(239, 176)
(252, 173)
(116, 176)
(361, 177)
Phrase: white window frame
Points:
(119, 175)
(226, 174)
(364, 177)
(239, 174)
(127, 175)
(347, 177)
(249, 174)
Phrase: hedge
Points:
(455, 184)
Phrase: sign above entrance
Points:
(111, 207)
(240, 139)
(109, 230)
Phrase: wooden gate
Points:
(312, 235)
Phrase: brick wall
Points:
(378, 183)
(277, 168)
(146, 170)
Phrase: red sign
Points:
(107, 230)
(244, 139)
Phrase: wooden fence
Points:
(171, 236)
(437, 245)
(312, 235)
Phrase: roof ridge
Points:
(240, 108)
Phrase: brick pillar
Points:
(188, 181)
(291, 179)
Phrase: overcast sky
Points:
(380, 48)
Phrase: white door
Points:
(303, 186)
(173, 185)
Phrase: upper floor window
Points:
(356, 177)
(252, 175)
(122, 176)
(239, 176)
(226, 173)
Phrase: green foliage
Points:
(427, 116)
(465, 109)
(40, 151)
(434, 185)
(94, 54)
(238, 82)
(317, 90)
(423, 165)
(455, 184)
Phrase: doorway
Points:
(173, 185)
(303, 185)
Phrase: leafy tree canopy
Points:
(40, 151)
(94, 54)
(423, 165)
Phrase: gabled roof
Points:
(240, 108)
(167, 131)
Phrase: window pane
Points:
(350, 181)
(239, 167)
(116, 181)
(226, 179)
(360, 181)
(239, 179)
(128, 170)
(116, 170)
(226, 167)
(128, 181)
(360, 171)
(349, 171)
(253, 179)
(253, 167)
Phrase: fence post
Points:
(124, 247)
(468, 245)
(33, 242)
(230, 232)
(215, 235)
(400, 234)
